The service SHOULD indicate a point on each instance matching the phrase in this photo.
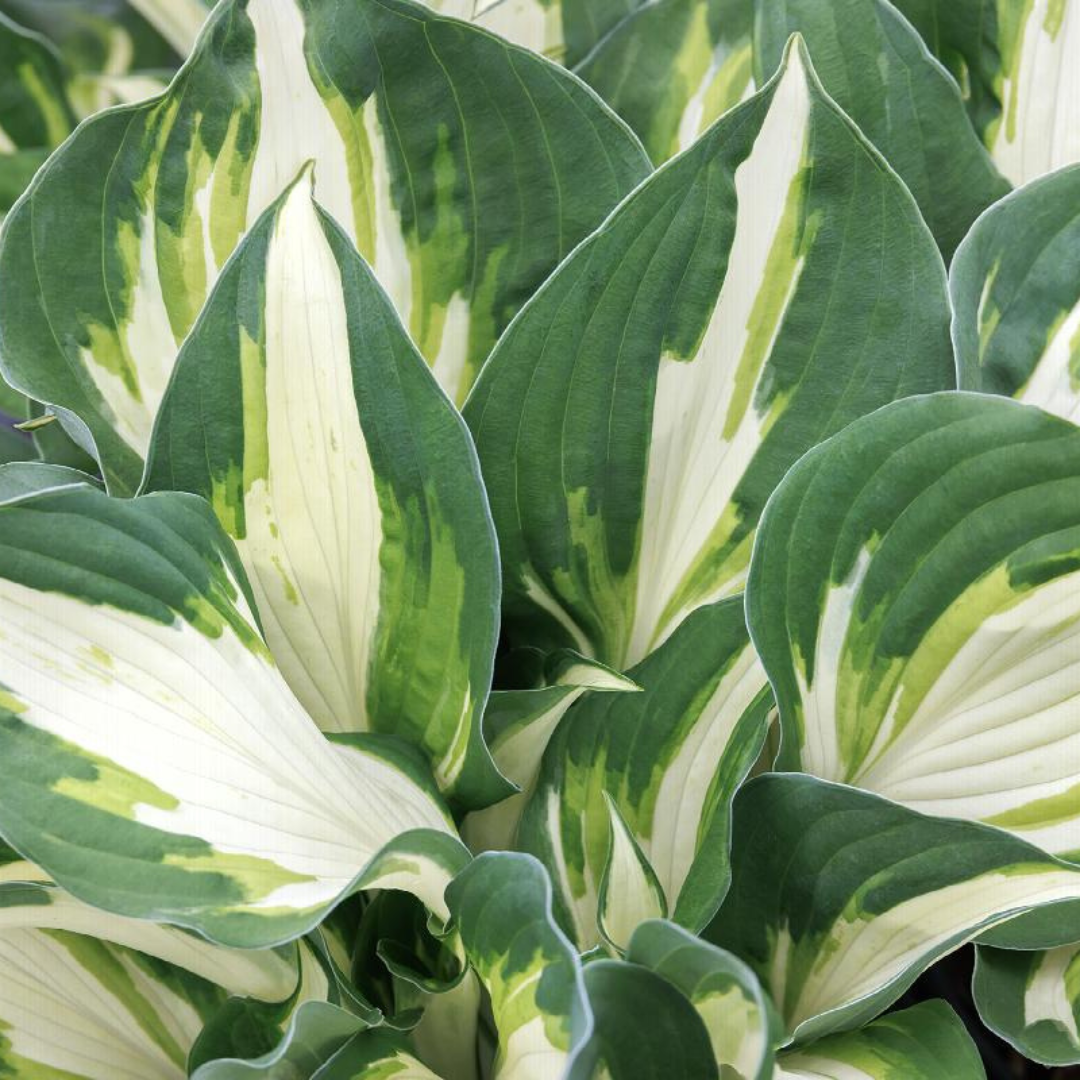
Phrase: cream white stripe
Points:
(693, 470)
(314, 523)
(1045, 96)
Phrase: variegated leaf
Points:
(518, 725)
(644, 1029)
(35, 114)
(34, 109)
(963, 36)
(1015, 63)
(1038, 80)
(325, 1043)
(77, 1008)
(630, 892)
(671, 758)
(759, 292)
(30, 904)
(1032, 999)
(903, 890)
(158, 985)
(564, 30)
(152, 759)
(177, 21)
(1015, 285)
(925, 1042)
(501, 906)
(351, 488)
(422, 983)
(111, 54)
(879, 71)
(914, 598)
(725, 993)
(423, 131)
(673, 67)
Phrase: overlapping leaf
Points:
(154, 761)
(35, 114)
(902, 889)
(914, 599)
(351, 487)
(672, 67)
(925, 1042)
(425, 132)
(501, 907)
(760, 291)
(873, 63)
(1032, 999)
(34, 111)
(93, 995)
(1015, 286)
(564, 30)
(1037, 130)
(670, 760)
(736, 1013)
(325, 1043)
(518, 725)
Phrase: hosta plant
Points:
(539, 539)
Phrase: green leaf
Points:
(913, 596)
(424, 131)
(518, 725)
(738, 1016)
(153, 760)
(110, 53)
(501, 906)
(925, 1042)
(21, 478)
(839, 899)
(16, 171)
(759, 292)
(1032, 1000)
(671, 759)
(34, 110)
(672, 67)
(879, 71)
(1015, 285)
(55, 444)
(378, 586)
